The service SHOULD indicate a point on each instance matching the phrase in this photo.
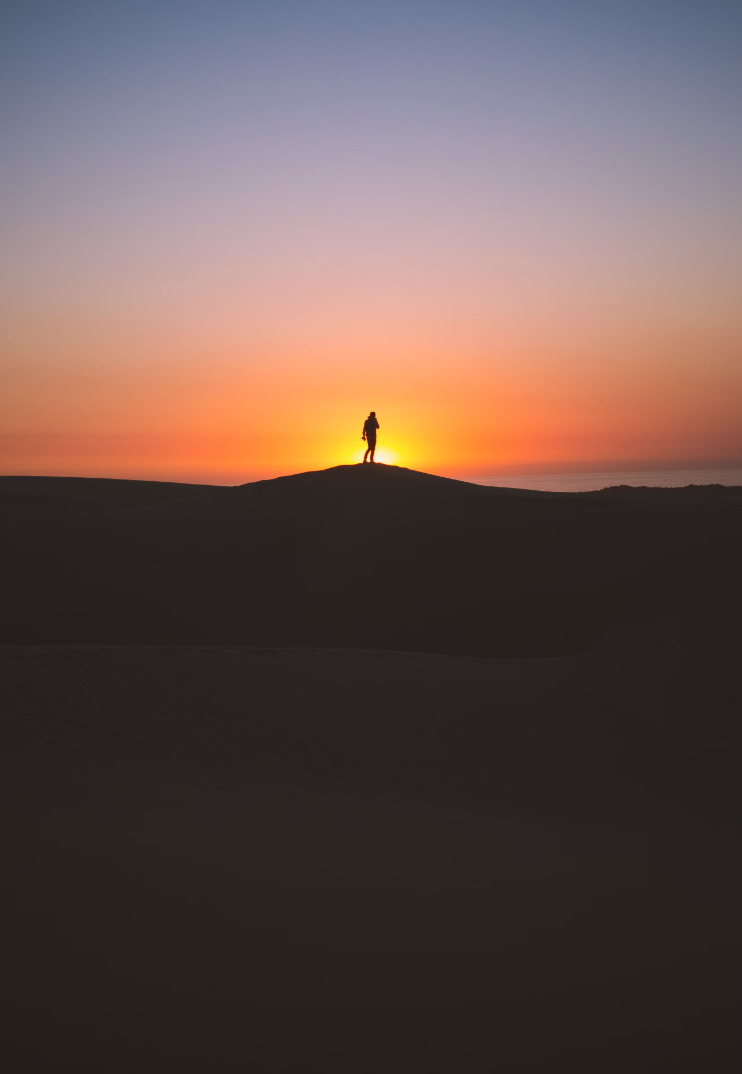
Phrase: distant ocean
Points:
(591, 482)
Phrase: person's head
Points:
(372, 414)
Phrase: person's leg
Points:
(372, 448)
(368, 448)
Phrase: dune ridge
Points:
(374, 556)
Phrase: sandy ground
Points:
(292, 859)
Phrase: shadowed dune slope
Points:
(370, 556)
(24, 499)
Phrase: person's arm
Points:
(363, 434)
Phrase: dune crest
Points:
(360, 556)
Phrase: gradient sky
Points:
(230, 229)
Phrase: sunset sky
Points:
(230, 229)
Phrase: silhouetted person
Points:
(370, 426)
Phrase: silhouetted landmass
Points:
(710, 490)
(255, 837)
(372, 557)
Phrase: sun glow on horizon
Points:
(383, 453)
(387, 456)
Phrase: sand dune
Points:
(376, 557)
(292, 858)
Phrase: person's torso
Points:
(370, 426)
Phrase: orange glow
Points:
(210, 420)
(206, 398)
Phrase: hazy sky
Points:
(230, 229)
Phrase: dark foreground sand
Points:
(305, 860)
(295, 857)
